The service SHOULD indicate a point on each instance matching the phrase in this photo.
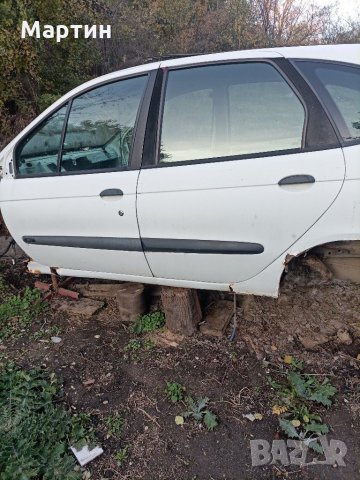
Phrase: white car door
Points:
(246, 162)
(72, 202)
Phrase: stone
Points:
(343, 337)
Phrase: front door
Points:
(237, 178)
(72, 203)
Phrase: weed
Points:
(297, 398)
(46, 333)
(197, 409)
(35, 428)
(149, 344)
(148, 323)
(18, 311)
(133, 345)
(122, 455)
(174, 391)
(114, 424)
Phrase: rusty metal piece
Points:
(64, 292)
(54, 278)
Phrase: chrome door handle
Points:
(296, 180)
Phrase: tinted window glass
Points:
(339, 87)
(226, 110)
(101, 124)
(38, 153)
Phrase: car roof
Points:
(349, 53)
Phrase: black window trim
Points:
(283, 67)
(137, 141)
(334, 114)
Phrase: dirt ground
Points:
(317, 323)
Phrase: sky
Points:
(347, 8)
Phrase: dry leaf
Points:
(179, 420)
(88, 382)
(358, 356)
(258, 416)
(278, 410)
(288, 359)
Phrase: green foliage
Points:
(298, 396)
(36, 430)
(174, 391)
(133, 345)
(114, 424)
(122, 455)
(197, 409)
(148, 323)
(55, 330)
(18, 311)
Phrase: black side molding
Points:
(297, 179)
(201, 246)
(96, 243)
(149, 245)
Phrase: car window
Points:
(339, 87)
(101, 125)
(37, 154)
(228, 110)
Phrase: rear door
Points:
(246, 162)
(72, 203)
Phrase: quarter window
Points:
(37, 154)
(229, 110)
(339, 87)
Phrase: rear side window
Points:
(229, 110)
(339, 87)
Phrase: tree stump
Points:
(182, 309)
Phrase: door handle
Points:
(112, 192)
(296, 180)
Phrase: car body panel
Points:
(226, 201)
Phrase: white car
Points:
(200, 172)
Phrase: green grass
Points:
(114, 424)
(17, 312)
(36, 430)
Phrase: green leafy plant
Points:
(133, 345)
(122, 455)
(197, 409)
(148, 323)
(36, 430)
(18, 311)
(114, 424)
(174, 391)
(297, 397)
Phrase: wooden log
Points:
(182, 309)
